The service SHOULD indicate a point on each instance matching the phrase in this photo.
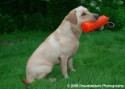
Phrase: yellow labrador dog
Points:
(59, 47)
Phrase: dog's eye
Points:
(83, 14)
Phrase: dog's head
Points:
(81, 14)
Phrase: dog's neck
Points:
(76, 31)
(70, 29)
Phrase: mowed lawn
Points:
(100, 60)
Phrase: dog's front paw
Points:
(73, 70)
(52, 79)
(66, 76)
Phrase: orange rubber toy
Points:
(91, 26)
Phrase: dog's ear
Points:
(71, 17)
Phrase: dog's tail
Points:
(26, 83)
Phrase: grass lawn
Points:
(100, 60)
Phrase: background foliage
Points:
(32, 15)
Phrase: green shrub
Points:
(7, 24)
(31, 18)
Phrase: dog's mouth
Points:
(95, 17)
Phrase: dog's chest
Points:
(69, 47)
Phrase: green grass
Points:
(100, 60)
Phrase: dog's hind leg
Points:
(41, 76)
(44, 70)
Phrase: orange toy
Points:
(91, 26)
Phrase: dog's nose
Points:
(96, 16)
